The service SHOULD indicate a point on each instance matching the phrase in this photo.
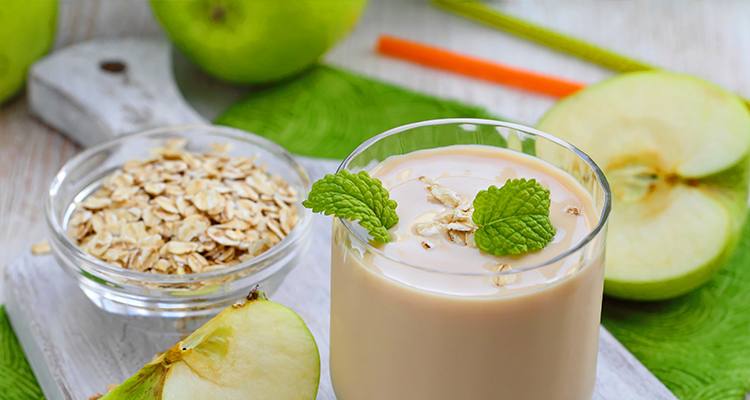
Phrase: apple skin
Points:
(258, 41)
(27, 30)
(671, 288)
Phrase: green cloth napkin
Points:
(698, 344)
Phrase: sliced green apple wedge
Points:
(675, 150)
(255, 349)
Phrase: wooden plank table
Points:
(708, 40)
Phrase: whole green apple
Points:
(256, 41)
(27, 28)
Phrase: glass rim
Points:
(601, 179)
(286, 244)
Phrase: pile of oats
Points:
(455, 224)
(180, 213)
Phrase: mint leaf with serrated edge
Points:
(355, 197)
(513, 219)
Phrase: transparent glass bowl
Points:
(122, 291)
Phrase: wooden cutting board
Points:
(74, 348)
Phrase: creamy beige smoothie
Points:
(422, 318)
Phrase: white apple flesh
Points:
(675, 150)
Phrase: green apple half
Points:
(675, 150)
(255, 349)
(256, 41)
(27, 28)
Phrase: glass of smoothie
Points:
(429, 316)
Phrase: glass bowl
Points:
(123, 291)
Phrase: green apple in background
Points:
(675, 150)
(256, 41)
(27, 29)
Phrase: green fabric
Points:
(327, 112)
(17, 382)
(697, 344)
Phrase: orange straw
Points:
(491, 71)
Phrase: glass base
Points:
(116, 303)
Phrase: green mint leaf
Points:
(513, 219)
(355, 197)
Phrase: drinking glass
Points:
(410, 339)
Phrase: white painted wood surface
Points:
(707, 38)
